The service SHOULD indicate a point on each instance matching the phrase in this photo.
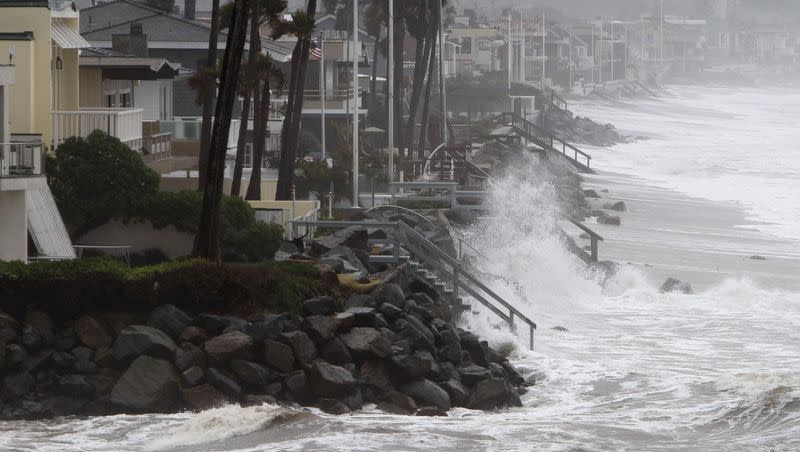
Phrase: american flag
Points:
(316, 50)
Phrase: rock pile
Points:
(582, 130)
(392, 347)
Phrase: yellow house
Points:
(41, 39)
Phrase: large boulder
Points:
(202, 397)
(188, 355)
(270, 327)
(304, 350)
(426, 392)
(335, 352)
(607, 219)
(354, 237)
(416, 332)
(450, 348)
(389, 293)
(321, 327)
(149, 384)
(352, 262)
(328, 380)
(16, 385)
(364, 343)
(73, 386)
(92, 333)
(193, 334)
(251, 374)
(224, 383)
(473, 374)
(376, 373)
(333, 406)
(298, 387)
(320, 306)
(459, 394)
(169, 319)
(489, 394)
(278, 356)
(672, 285)
(413, 366)
(216, 324)
(136, 340)
(227, 346)
(192, 376)
(42, 326)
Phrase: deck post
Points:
(396, 250)
(594, 249)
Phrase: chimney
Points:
(134, 43)
(189, 9)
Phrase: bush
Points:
(69, 289)
(97, 179)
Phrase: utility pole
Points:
(544, 51)
(570, 58)
(442, 87)
(509, 51)
(594, 54)
(613, 44)
(322, 90)
(356, 50)
(390, 77)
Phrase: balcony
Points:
(122, 123)
(20, 160)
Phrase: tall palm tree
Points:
(424, 31)
(268, 72)
(207, 97)
(302, 26)
(207, 240)
(261, 12)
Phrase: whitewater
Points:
(716, 180)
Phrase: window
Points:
(248, 155)
(485, 44)
(466, 46)
(110, 101)
(125, 100)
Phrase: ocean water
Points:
(636, 369)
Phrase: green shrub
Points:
(96, 179)
(69, 289)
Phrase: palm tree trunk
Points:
(399, 57)
(426, 103)
(373, 83)
(421, 58)
(259, 142)
(287, 165)
(207, 244)
(208, 94)
(238, 167)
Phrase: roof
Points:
(164, 30)
(16, 36)
(119, 66)
(23, 4)
(65, 36)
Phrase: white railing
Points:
(21, 160)
(122, 123)
(188, 129)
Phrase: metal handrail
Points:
(545, 139)
(440, 260)
(426, 171)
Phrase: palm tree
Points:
(302, 26)
(207, 97)
(267, 73)
(207, 239)
(423, 30)
(262, 11)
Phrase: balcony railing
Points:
(157, 147)
(21, 160)
(188, 129)
(123, 123)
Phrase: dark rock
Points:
(451, 346)
(66, 340)
(224, 383)
(426, 392)
(328, 380)
(380, 322)
(8, 322)
(189, 355)
(258, 399)
(63, 360)
(149, 384)
(401, 400)
(202, 397)
(389, 293)
(459, 394)
(216, 324)
(430, 411)
(445, 370)
(8, 335)
(273, 389)
(470, 343)
(304, 350)
(413, 366)
(376, 373)
(278, 356)
(136, 340)
(354, 262)
(335, 352)
(104, 357)
(270, 328)
(363, 316)
(607, 219)
(354, 237)
(92, 333)
(473, 374)
(559, 328)
(83, 354)
(354, 400)
(228, 346)
(42, 325)
(497, 370)
(31, 339)
(298, 386)
(16, 385)
(364, 343)
(417, 285)
(251, 374)
(320, 306)
(427, 340)
(338, 264)
(618, 206)
(74, 386)
(391, 408)
(512, 374)
(62, 405)
(169, 319)
(673, 285)
(344, 321)
(193, 376)
(489, 394)
(758, 258)
(194, 335)
(321, 327)
(333, 406)
(361, 301)
(591, 194)
(15, 356)
(38, 360)
(390, 311)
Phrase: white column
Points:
(322, 81)
(390, 87)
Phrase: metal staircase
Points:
(547, 141)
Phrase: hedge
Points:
(69, 289)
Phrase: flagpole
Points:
(356, 50)
(322, 90)
(390, 88)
